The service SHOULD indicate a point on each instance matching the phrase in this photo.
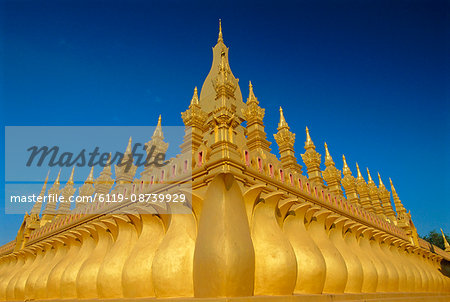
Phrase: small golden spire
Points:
(346, 170)
(446, 245)
(128, 150)
(309, 142)
(381, 182)
(37, 206)
(158, 130)
(44, 187)
(392, 186)
(90, 178)
(220, 39)
(370, 180)
(282, 124)
(328, 157)
(251, 94)
(359, 173)
(57, 178)
(70, 181)
(194, 100)
(107, 167)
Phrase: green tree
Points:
(435, 238)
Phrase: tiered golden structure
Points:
(259, 229)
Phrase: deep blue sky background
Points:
(371, 78)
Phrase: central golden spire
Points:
(220, 84)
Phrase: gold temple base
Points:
(369, 297)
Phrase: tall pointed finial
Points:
(370, 180)
(251, 94)
(57, 178)
(446, 245)
(90, 178)
(359, 172)
(128, 150)
(37, 206)
(194, 100)
(328, 158)
(381, 185)
(309, 142)
(107, 167)
(220, 39)
(70, 181)
(346, 170)
(282, 124)
(158, 130)
(44, 187)
(392, 186)
(108, 162)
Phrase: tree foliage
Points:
(435, 238)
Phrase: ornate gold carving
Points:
(363, 191)
(285, 140)
(349, 184)
(331, 174)
(251, 232)
(312, 160)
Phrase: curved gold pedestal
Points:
(369, 297)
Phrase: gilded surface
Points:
(257, 229)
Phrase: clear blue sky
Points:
(371, 78)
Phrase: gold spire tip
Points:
(70, 181)
(251, 95)
(57, 178)
(379, 179)
(194, 100)
(220, 39)
(346, 169)
(328, 158)
(90, 178)
(446, 245)
(46, 178)
(309, 141)
(392, 185)
(282, 123)
(359, 172)
(327, 152)
(128, 150)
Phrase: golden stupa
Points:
(256, 228)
